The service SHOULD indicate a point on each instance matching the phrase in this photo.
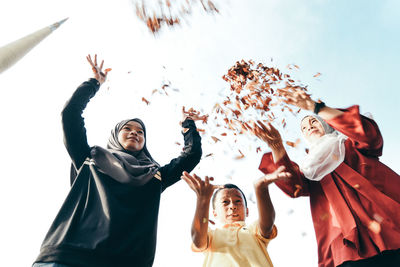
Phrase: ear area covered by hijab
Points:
(325, 154)
(134, 168)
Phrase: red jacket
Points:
(356, 208)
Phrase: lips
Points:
(133, 138)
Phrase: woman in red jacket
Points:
(354, 198)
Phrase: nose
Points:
(310, 126)
(133, 132)
(232, 206)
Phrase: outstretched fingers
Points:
(279, 174)
(89, 59)
(188, 179)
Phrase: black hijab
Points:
(135, 168)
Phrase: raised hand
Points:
(298, 98)
(202, 188)
(269, 178)
(99, 75)
(267, 133)
(193, 115)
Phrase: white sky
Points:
(354, 44)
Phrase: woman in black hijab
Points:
(109, 218)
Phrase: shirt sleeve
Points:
(361, 131)
(75, 139)
(255, 228)
(189, 158)
(295, 186)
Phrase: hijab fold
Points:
(325, 154)
(134, 168)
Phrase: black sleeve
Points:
(189, 158)
(75, 139)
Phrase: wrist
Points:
(318, 106)
(203, 200)
(276, 144)
(187, 122)
(261, 188)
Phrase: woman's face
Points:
(131, 136)
(311, 128)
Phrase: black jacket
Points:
(102, 222)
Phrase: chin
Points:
(235, 220)
(314, 137)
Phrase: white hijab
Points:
(325, 154)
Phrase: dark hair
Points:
(227, 186)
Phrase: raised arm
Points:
(75, 139)
(190, 156)
(266, 211)
(271, 136)
(362, 131)
(301, 99)
(204, 191)
(295, 186)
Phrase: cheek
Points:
(120, 137)
(321, 129)
(143, 140)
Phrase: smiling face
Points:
(230, 206)
(131, 136)
(311, 128)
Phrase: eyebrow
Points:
(132, 125)
(238, 195)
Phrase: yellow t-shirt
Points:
(238, 245)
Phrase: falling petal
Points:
(239, 156)
(374, 226)
(215, 139)
(145, 101)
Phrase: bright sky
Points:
(354, 44)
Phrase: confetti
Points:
(374, 226)
(239, 156)
(293, 144)
(298, 189)
(145, 101)
(254, 90)
(168, 13)
(215, 139)
(378, 218)
(324, 216)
